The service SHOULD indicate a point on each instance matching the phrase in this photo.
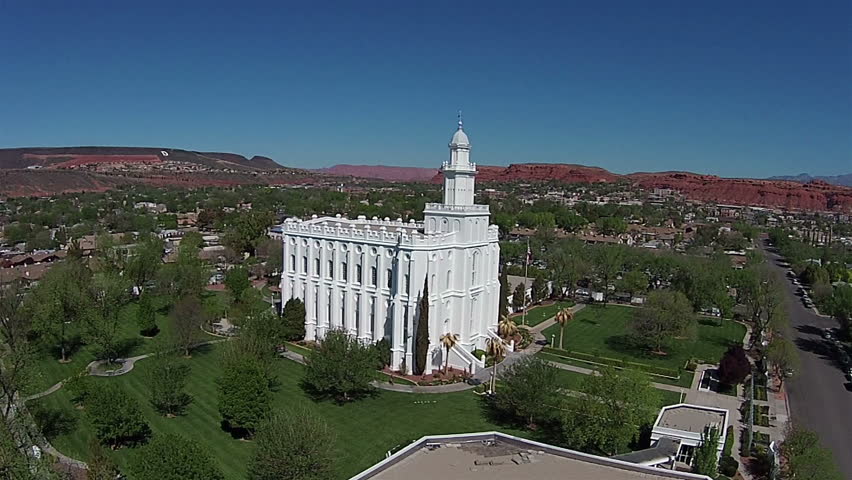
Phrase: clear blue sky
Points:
(726, 87)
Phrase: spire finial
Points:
(460, 120)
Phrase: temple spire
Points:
(460, 120)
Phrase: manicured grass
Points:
(365, 429)
(541, 313)
(295, 348)
(50, 371)
(604, 331)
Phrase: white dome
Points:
(460, 138)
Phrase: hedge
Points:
(729, 442)
(613, 362)
(728, 466)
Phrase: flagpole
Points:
(526, 268)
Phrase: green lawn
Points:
(541, 313)
(684, 381)
(50, 371)
(365, 429)
(604, 331)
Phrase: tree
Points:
(116, 416)
(188, 275)
(173, 457)
(421, 341)
(634, 282)
(59, 302)
(760, 291)
(100, 466)
(244, 394)
(504, 295)
(17, 463)
(519, 296)
(293, 445)
(17, 353)
(804, 458)
(448, 340)
(783, 356)
(531, 390)
(666, 315)
(166, 382)
(109, 292)
(496, 349)
(294, 320)
(613, 409)
(188, 316)
(539, 289)
(237, 281)
(146, 261)
(507, 327)
(563, 317)
(341, 367)
(608, 260)
(734, 366)
(568, 264)
(246, 230)
(705, 455)
(146, 316)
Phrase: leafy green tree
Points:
(167, 382)
(539, 289)
(634, 282)
(188, 275)
(519, 296)
(568, 264)
(294, 319)
(611, 225)
(608, 262)
(173, 457)
(705, 455)
(244, 394)
(61, 302)
(146, 261)
(146, 316)
(666, 315)
(17, 464)
(341, 367)
(612, 411)
(116, 416)
(783, 356)
(531, 391)
(421, 340)
(237, 281)
(109, 292)
(246, 230)
(187, 318)
(804, 457)
(293, 445)
(504, 295)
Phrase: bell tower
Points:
(458, 171)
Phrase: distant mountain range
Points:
(48, 171)
(844, 180)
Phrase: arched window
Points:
(449, 279)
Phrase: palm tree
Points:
(448, 340)
(495, 349)
(507, 327)
(562, 317)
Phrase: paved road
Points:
(819, 395)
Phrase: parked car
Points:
(849, 374)
(827, 333)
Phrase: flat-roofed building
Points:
(497, 456)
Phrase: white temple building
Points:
(367, 276)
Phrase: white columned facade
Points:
(455, 249)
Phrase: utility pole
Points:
(526, 270)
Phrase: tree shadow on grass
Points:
(589, 321)
(631, 345)
(237, 433)
(334, 397)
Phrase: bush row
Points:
(614, 362)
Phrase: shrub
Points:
(383, 353)
(479, 353)
(79, 387)
(728, 466)
(729, 442)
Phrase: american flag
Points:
(529, 254)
